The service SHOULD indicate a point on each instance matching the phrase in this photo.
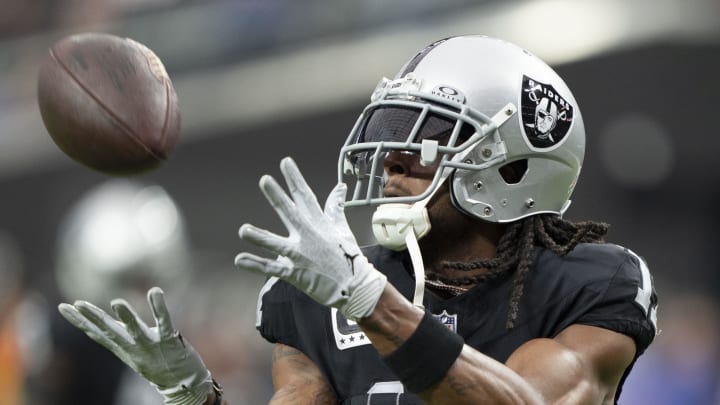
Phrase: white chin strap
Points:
(397, 226)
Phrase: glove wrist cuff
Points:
(365, 296)
(184, 395)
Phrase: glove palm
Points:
(159, 353)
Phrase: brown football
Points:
(108, 103)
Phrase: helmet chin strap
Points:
(400, 226)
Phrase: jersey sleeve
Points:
(629, 303)
(275, 316)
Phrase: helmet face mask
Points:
(469, 106)
(401, 118)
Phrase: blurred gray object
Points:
(120, 239)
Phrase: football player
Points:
(478, 291)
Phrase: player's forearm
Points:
(473, 379)
(300, 395)
(392, 321)
(478, 379)
(297, 380)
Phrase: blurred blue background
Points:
(260, 80)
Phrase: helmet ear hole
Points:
(514, 172)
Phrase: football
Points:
(108, 103)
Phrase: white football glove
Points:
(159, 353)
(320, 256)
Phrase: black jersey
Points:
(601, 285)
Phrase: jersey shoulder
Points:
(594, 263)
(619, 282)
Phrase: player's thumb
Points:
(335, 204)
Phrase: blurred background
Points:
(260, 80)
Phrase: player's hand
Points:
(158, 353)
(320, 255)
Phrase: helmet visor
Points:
(396, 124)
(394, 128)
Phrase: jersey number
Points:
(645, 292)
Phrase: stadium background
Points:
(259, 80)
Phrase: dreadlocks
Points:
(515, 252)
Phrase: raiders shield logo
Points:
(546, 116)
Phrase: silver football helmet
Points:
(471, 106)
(121, 238)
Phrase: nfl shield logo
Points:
(450, 321)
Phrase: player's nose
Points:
(397, 163)
(398, 167)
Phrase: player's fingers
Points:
(257, 264)
(72, 315)
(264, 239)
(134, 325)
(96, 333)
(281, 203)
(106, 324)
(299, 189)
(156, 298)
